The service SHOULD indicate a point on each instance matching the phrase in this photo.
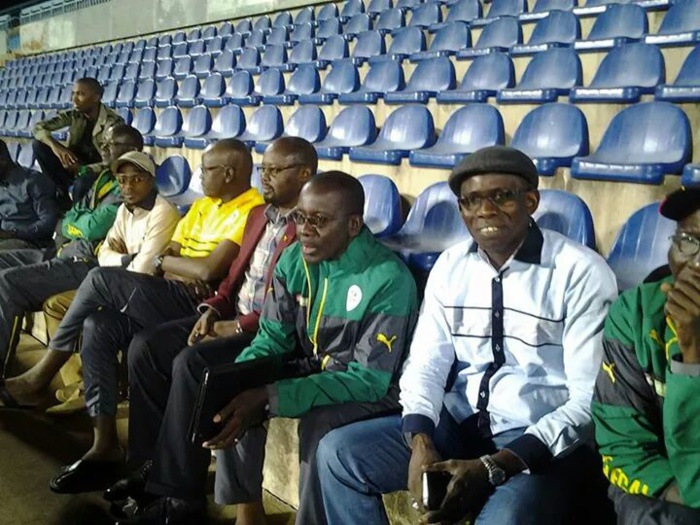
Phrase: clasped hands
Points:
(683, 307)
(246, 410)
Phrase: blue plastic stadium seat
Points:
(145, 94)
(624, 75)
(188, 94)
(642, 144)
(278, 35)
(163, 53)
(179, 50)
(10, 122)
(327, 29)
(103, 75)
(302, 32)
(202, 65)
(131, 72)
(145, 121)
(240, 89)
(125, 114)
(148, 70)
(500, 8)
(275, 56)
(302, 53)
(283, 19)
(548, 75)
(369, 44)
(249, 60)
(225, 63)
(213, 89)
(37, 116)
(354, 126)
(552, 135)
(305, 15)
(390, 20)
(304, 81)
(182, 67)
(641, 246)
(433, 225)
(405, 42)
(270, 82)
(543, 7)
(383, 77)
(168, 126)
(350, 9)
(335, 48)
(150, 54)
(382, 213)
(235, 43)
(196, 125)
(618, 25)
(125, 95)
(166, 92)
(173, 176)
(426, 15)
(229, 123)
(468, 129)
(22, 124)
(680, 26)
(357, 24)
(226, 29)
(326, 12)
(429, 78)
(406, 129)
(307, 122)
(209, 33)
(486, 75)
(460, 11)
(264, 125)
(500, 35)
(117, 73)
(449, 39)
(215, 46)
(245, 27)
(179, 37)
(559, 28)
(686, 86)
(567, 214)
(164, 68)
(342, 78)
(110, 94)
(691, 176)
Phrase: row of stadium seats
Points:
(642, 143)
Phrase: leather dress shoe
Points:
(86, 475)
(131, 486)
(170, 511)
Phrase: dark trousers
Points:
(165, 380)
(109, 308)
(51, 165)
(640, 510)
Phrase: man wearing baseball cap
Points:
(500, 374)
(646, 405)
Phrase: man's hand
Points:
(246, 410)
(66, 156)
(683, 306)
(198, 289)
(117, 245)
(203, 326)
(423, 455)
(466, 492)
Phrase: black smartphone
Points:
(434, 489)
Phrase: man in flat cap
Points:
(646, 405)
(496, 390)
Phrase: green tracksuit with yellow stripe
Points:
(352, 316)
(646, 405)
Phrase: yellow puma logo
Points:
(609, 370)
(381, 338)
(654, 336)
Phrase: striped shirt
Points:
(211, 221)
(525, 342)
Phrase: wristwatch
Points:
(497, 476)
(158, 262)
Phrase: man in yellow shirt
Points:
(113, 304)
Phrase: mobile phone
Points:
(434, 489)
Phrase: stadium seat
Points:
(501, 8)
(426, 15)
(552, 135)
(500, 35)
(188, 94)
(37, 116)
(460, 11)
(275, 56)
(202, 65)
(240, 89)
(642, 144)
(326, 12)
(150, 55)
(283, 19)
(213, 89)
(383, 77)
(117, 73)
(429, 78)
(382, 213)
(182, 67)
(304, 81)
(406, 129)
(566, 213)
(148, 70)
(342, 78)
(302, 32)
(624, 75)
(350, 9)
(225, 63)
(132, 71)
(278, 35)
(125, 114)
(10, 123)
(164, 52)
(369, 44)
(680, 26)
(559, 28)
(164, 68)
(168, 126)
(544, 7)
(486, 75)
(145, 121)
(179, 37)
(103, 75)
(433, 225)
(214, 47)
(29, 99)
(468, 129)
(357, 24)
(173, 176)
(390, 21)
(618, 25)
(258, 39)
(449, 39)
(264, 125)
(270, 82)
(179, 50)
(262, 23)
(354, 126)
(302, 53)
(125, 95)
(335, 48)
(307, 122)
(641, 246)
(235, 43)
(22, 124)
(305, 15)
(691, 176)
(404, 43)
(226, 29)
(228, 123)
(196, 125)
(686, 86)
(209, 33)
(376, 7)
(327, 29)
(145, 94)
(245, 27)
(166, 93)
(249, 60)
(548, 75)
(110, 94)
(65, 97)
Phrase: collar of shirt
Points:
(146, 204)
(274, 215)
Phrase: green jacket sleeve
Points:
(682, 430)
(42, 130)
(91, 225)
(627, 419)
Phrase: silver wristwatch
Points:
(497, 476)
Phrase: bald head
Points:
(226, 169)
(297, 151)
(346, 187)
(235, 153)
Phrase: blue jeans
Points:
(359, 462)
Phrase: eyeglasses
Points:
(124, 180)
(111, 144)
(500, 198)
(315, 221)
(273, 171)
(686, 244)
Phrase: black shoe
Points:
(86, 475)
(131, 486)
(170, 511)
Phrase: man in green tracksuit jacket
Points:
(646, 406)
(344, 307)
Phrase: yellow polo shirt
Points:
(211, 221)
